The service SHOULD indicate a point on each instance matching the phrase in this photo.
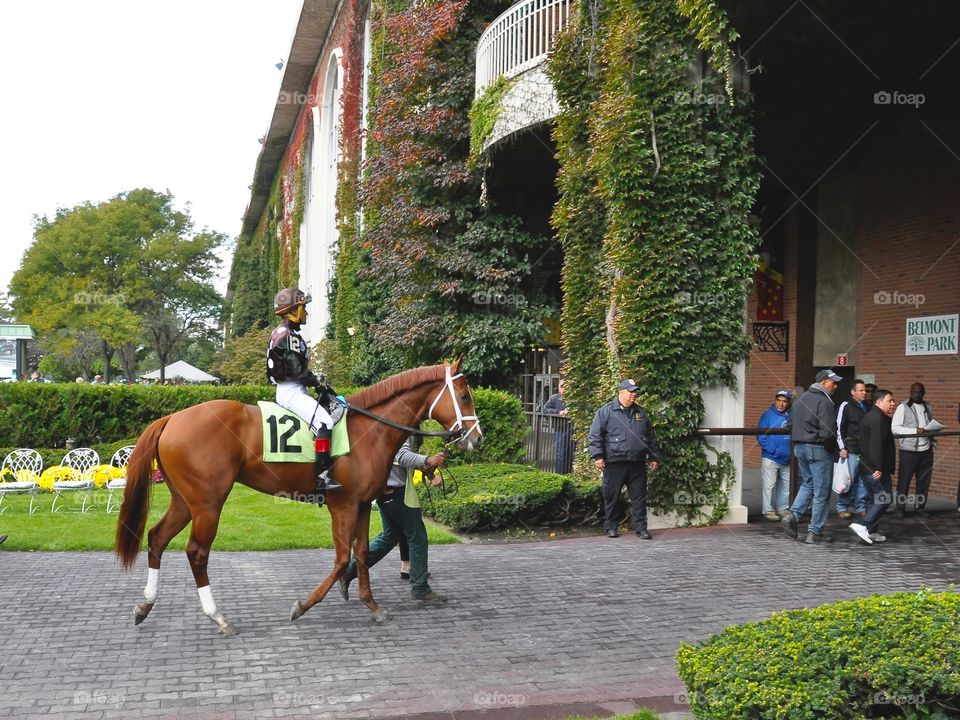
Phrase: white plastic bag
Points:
(841, 476)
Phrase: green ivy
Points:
(442, 274)
(484, 113)
(655, 192)
(255, 273)
(289, 271)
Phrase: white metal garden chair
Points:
(119, 460)
(82, 463)
(24, 466)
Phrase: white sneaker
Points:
(877, 537)
(862, 532)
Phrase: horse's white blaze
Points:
(153, 585)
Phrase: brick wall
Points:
(908, 242)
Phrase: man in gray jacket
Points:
(621, 442)
(814, 436)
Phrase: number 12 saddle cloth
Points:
(287, 437)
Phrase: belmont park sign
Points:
(934, 335)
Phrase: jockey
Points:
(287, 369)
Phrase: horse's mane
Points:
(395, 385)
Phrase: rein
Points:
(406, 428)
(445, 479)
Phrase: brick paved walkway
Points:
(533, 630)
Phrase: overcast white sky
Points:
(102, 96)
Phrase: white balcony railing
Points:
(519, 39)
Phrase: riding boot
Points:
(322, 463)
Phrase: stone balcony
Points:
(516, 46)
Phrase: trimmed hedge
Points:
(41, 415)
(492, 496)
(883, 656)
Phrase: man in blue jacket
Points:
(621, 442)
(814, 435)
(775, 457)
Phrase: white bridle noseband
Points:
(458, 425)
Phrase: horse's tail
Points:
(136, 496)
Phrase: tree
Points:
(243, 359)
(130, 272)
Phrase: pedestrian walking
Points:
(814, 435)
(877, 460)
(401, 517)
(851, 413)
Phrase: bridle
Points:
(458, 425)
(457, 432)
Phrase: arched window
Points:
(329, 138)
(318, 238)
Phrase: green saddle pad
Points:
(340, 443)
(288, 438)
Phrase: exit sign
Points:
(841, 358)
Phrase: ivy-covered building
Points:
(717, 198)
(367, 196)
(289, 232)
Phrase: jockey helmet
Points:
(290, 304)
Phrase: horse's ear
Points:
(455, 367)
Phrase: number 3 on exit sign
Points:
(841, 358)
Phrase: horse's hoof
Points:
(140, 612)
(229, 630)
(296, 611)
(381, 616)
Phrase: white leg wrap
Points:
(207, 602)
(153, 585)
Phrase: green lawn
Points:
(250, 521)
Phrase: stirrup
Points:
(325, 481)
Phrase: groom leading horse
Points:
(203, 450)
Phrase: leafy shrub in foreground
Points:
(883, 656)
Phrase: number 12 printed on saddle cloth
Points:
(286, 437)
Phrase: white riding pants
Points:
(294, 397)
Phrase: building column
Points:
(724, 407)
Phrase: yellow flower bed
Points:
(56, 473)
(101, 474)
(24, 475)
(104, 473)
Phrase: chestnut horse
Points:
(203, 450)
